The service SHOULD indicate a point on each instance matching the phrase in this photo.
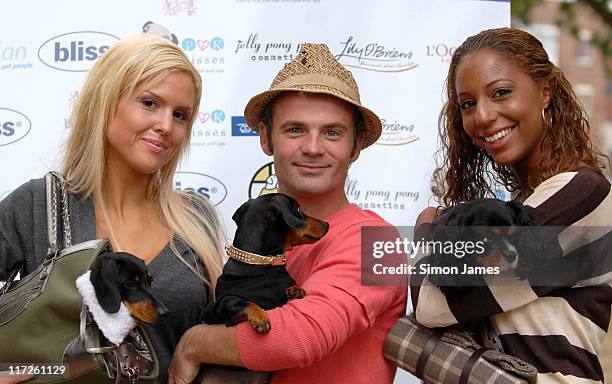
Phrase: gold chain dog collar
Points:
(253, 258)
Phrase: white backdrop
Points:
(398, 52)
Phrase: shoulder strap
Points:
(51, 193)
(57, 206)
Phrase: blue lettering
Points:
(204, 192)
(6, 129)
(91, 53)
(61, 51)
(13, 53)
(73, 51)
(78, 52)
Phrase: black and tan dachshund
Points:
(120, 277)
(254, 279)
(503, 235)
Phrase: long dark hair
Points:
(565, 145)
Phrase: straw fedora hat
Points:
(315, 70)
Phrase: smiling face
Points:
(150, 125)
(501, 108)
(312, 137)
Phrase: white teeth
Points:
(498, 135)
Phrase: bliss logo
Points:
(14, 126)
(75, 51)
(209, 187)
(240, 127)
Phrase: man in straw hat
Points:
(312, 122)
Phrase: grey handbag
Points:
(48, 328)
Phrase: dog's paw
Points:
(261, 327)
(258, 318)
(295, 292)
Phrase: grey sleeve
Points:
(23, 228)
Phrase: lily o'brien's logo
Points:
(373, 56)
(75, 51)
(204, 185)
(395, 133)
(14, 126)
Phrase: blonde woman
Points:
(131, 125)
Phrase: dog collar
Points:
(253, 258)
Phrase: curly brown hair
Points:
(565, 145)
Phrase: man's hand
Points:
(202, 344)
(185, 365)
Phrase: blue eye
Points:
(294, 130)
(333, 133)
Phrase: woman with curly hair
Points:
(512, 117)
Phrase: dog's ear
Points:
(521, 214)
(240, 211)
(281, 207)
(530, 241)
(105, 279)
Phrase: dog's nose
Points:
(508, 251)
(160, 311)
(161, 314)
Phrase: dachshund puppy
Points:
(503, 238)
(254, 278)
(121, 277)
(117, 291)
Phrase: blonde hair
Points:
(126, 65)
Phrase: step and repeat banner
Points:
(398, 51)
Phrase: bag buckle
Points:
(47, 264)
(131, 373)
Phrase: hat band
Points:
(315, 79)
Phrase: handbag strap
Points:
(469, 364)
(57, 206)
(431, 343)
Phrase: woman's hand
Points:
(7, 378)
(428, 215)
